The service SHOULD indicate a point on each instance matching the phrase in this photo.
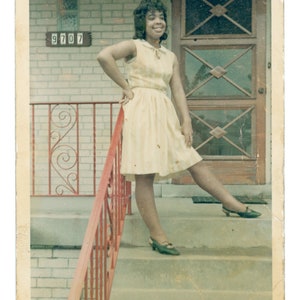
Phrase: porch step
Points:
(206, 224)
(221, 258)
(54, 220)
(163, 190)
(59, 221)
(176, 294)
(201, 225)
(196, 274)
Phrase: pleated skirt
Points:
(152, 138)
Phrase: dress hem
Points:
(159, 176)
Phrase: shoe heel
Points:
(226, 212)
(249, 213)
(152, 245)
(168, 248)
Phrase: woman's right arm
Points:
(107, 59)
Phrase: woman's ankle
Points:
(160, 238)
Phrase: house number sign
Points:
(68, 39)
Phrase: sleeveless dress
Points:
(152, 138)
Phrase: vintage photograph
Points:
(151, 145)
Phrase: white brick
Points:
(52, 282)
(40, 253)
(53, 263)
(63, 273)
(73, 262)
(57, 253)
(33, 282)
(60, 293)
(41, 293)
(33, 262)
(41, 272)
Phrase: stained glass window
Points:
(68, 15)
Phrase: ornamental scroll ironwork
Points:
(63, 157)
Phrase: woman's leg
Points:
(144, 194)
(208, 182)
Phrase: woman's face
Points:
(155, 25)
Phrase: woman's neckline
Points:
(152, 44)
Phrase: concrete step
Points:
(221, 258)
(201, 225)
(179, 294)
(63, 222)
(59, 221)
(235, 273)
(165, 190)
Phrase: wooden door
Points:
(221, 48)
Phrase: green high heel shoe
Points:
(248, 213)
(166, 248)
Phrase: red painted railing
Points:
(97, 261)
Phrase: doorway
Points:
(221, 47)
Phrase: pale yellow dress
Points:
(152, 138)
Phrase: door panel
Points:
(219, 72)
(224, 132)
(221, 48)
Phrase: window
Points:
(219, 72)
(68, 15)
(213, 17)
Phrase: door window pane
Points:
(218, 73)
(223, 132)
(212, 17)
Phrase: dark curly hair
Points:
(140, 17)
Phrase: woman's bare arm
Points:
(181, 103)
(107, 59)
(178, 94)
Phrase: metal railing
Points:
(97, 261)
(69, 142)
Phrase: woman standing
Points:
(156, 144)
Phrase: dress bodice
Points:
(151, 67)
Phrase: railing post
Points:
(128, 195)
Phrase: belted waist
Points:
(150, 88)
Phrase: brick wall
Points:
(52, 272)
(74, 75)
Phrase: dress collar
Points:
(157, 51)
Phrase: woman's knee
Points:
(145, 178)
(194, 168)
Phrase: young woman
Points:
(156, 144)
